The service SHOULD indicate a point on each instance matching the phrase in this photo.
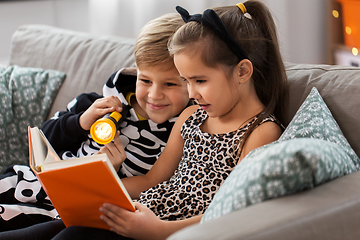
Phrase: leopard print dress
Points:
(207, 161)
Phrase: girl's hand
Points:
(141, 224)
(115, 151)
(98, 109)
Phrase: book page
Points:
(51, 155)
(74, 161)
(39, 148)
(43, 152)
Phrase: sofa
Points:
(327, 211)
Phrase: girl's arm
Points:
(166, 164)
(265, 133)
(142, 224)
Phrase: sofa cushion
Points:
(26, 97)
(311, 151)
(88, 60)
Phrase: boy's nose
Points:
(156, 93)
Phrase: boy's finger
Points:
(118, 144)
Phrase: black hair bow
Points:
(211, 20)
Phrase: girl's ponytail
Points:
(272, 69)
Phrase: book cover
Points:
(77, 187)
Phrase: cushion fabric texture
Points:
(311, 151)
(26, 97)
(87, 60)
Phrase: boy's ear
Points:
(245, 70)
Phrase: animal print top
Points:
(207, 161)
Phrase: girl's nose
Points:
(193, 93)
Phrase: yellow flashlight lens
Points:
(103, 130)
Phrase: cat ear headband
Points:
(211, 20)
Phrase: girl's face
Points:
(210, 87)
(161, 94)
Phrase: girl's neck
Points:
(233, 120)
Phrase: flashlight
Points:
(104, 129)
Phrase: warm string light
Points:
(354, 51)
(348, 31)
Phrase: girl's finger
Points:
(118, 228)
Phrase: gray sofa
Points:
(329, 211)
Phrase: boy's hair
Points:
(257, 36)
(151, 44)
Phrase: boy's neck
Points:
(138, 110)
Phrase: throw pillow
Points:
(314, 119)
(280, 168)
(26, 97)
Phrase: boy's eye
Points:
(200, 81)
(145, 81)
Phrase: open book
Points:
(77, 187)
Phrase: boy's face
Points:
(161, 94)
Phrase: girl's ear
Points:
(245, 70)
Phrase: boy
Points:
(155, 96)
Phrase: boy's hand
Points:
(141, 224)
(98, 109)
(115, 151)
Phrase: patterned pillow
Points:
(311, 151)
(26, 97)
(279, 169)
(314, 120)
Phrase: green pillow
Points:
(314, 119)
(279, 169)
(26, 97)
(311, 151)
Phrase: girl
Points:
(230, 60)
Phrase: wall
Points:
(302, 25)
(72, 14)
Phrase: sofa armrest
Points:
(88, 61)
(329, 211)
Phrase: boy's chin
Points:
(159, 119)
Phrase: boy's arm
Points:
(63, 129)
(166, 164)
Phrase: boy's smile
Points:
(157, 106)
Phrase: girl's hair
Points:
(151, 44)
(255, 32)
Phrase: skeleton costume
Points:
(23, 201)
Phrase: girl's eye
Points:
(200, 81)
(170, 84)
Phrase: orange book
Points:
(77, 187)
